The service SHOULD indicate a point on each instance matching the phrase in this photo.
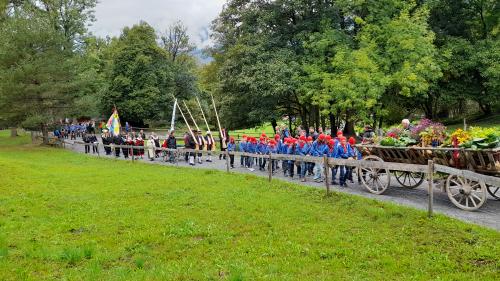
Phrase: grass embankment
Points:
(72, 217)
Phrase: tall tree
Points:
(141, 76)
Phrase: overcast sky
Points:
(113, 15)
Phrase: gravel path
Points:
(488, 215)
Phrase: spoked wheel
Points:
(494, 191)
(376, 180)
(466, 194)
(409, 179)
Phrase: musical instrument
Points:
(206, 123)
(224, 145)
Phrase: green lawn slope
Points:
(65, 216)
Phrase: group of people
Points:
(139, 145)
(304, 143)
(74, 130)
(315, 145)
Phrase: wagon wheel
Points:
(466, 194)
(409, 179)
(494, 191)
(374, 179)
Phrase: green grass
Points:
(266, 128)
(489, 122)
(65, 216)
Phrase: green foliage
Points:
(140, 75)
(166, 223)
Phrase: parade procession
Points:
(237, 140)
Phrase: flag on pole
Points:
(113, 124)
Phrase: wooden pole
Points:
(327, 183)
(227, 160)
(270, 168)
(218, 122)
(430, 178)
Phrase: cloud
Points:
(113, 15)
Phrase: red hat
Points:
(277, 137)
(309, 138)
(328, 137)
(340, 133)
(303, 138)
(262, 138)
(342, 138)
(244, 136)
(321, 137)
(352, 141)
(272, 142)
(331, 142)
(263, 135)
(231, 139)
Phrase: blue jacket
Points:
(231, 146)
(304, 150)
(344, 154)
(318, 149)
(356, 154)
(273, 150)
(242, 146)
(251, 148)
(282, 148)
(263, 148)
(291, 150)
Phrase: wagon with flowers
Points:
(462, 150)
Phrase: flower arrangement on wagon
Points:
(476, 138)
(427, 133)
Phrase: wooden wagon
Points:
(465, 193)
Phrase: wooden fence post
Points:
(270, 167)
(227, 160)
(327, 168)
(430, 178)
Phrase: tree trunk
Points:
(13, 132)
(349, 125)
(274, 124)
(316, 113)
(333, 124)
(45, 134)
(323, 123)
(485, 108)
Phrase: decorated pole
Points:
(172, 122)
(224, 146)
(187, 124)
(195, 124)
(206, 123)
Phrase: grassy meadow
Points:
(66, 216)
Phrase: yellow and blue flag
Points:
(113, 124)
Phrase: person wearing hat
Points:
(303, 150)
(242, 148)
(106, 141)
(356, 154)
(191, 144)
(318, 149)
(340, 134)
(210, 145)
(231, 146)
(262, 150)
(251, 148)
(291, 150)
(273, 149)
(279, 143)
(201, 143)
(150, 148)
(343, 151)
